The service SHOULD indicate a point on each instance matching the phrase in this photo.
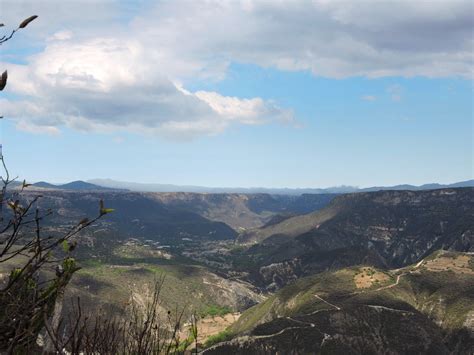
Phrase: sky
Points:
(240, 93)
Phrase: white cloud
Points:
(61, 36)
(333, 39)
(27, 127)
(248, 111)
(113, 68)
(106, 84)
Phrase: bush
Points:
(218, 338)
(215, 310)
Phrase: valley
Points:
(263, 272)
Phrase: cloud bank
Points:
(133, 77)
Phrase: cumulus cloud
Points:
(114, 75)
(107, 84)
(248, 111)
(329, 38)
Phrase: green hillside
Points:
(130, 271)
(438, 292)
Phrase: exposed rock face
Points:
(234, 294)
(279, 274)
(385, 229)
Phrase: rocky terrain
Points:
(363, 310)
(387, 229)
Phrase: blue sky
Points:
(172, 100)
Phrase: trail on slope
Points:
(328, 303)
(389, 286)
(397, 281)
(388, 308)
(328, 336)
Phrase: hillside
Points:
(130, 269)
(186, 210)
(135, 216)
(423, 308)
(242, 211)
(387, 229)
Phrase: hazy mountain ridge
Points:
(77, 185)
(109, 184)
(151, 187)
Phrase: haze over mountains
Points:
(97, 184)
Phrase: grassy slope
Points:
(291, 227)
(447, 295)
(110, 282)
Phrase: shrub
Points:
(218, 338)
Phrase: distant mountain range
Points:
(133, 186)
(74, 186)
(108, 184)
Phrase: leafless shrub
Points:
(140, 330)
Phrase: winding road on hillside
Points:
(328, 336)
(397, 281)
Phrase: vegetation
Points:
(218, 338)
(140, 331)
(419, 288)
(215, 310)
(109, 283)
